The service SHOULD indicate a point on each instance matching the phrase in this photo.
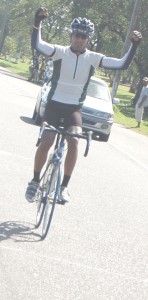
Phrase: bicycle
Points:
(48, 193)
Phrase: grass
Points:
(124, 112)
(21, 68)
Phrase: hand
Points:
(135, 37)
(41, 14)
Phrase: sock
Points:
(36, 177)
(65, 180)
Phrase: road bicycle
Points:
(49, 192)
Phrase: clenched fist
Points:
(135, 37)
(41, 14)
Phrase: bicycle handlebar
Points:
(61, 131)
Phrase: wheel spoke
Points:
(52, 195)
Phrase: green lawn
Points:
(124, 112)
(21, 68)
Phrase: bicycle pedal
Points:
(40, 201)
(61, 202)
(50, 200)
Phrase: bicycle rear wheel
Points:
(51, 199)
(41, 197)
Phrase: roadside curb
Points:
(7, 72)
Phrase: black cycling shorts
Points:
(55, 111)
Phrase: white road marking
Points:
(130, 156)
(68, 262)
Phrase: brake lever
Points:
(89, 138)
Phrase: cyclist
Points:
(48, 70)
(42, 68)
(72, 68)
(142, 102)
(34, 69)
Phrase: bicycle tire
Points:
(50, 206)
(40, 212)
(41, 200)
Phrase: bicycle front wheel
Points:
(40, 210)
(51, 199)
(41, 197)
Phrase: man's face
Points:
(78, 41)
(145, 82)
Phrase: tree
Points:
(4, 26)
(126, 43)
(111, 18)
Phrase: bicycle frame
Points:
(53, 180)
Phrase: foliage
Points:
(9, 46)
(111, 19)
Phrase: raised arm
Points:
(123, 63)
(36, 39)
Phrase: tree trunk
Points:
(4, 26)
(126, 44)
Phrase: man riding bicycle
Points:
(73, 67)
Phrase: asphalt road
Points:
(97, 247)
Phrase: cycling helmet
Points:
(82, 25)
(145, 79)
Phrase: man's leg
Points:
(42, 151)
(50, 117)
(139, 114)
(72, 152)
(70, 161)
(40, 159)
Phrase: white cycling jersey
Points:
(72, 73)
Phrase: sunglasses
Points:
(80, 35)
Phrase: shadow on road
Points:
(18, 232)
(27, 120)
